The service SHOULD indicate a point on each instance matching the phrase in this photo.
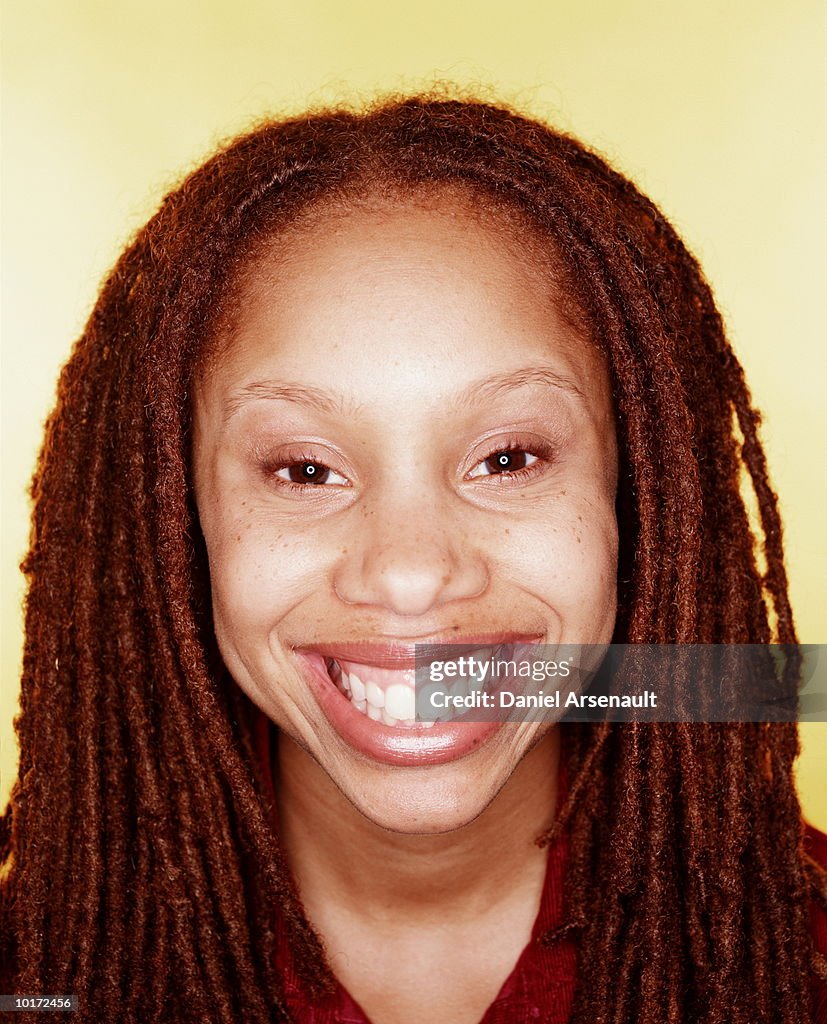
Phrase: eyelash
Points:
(542, 451)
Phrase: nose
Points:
(409, 562)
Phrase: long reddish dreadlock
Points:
(142, 868)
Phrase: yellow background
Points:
(715, 109)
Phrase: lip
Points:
(411, 746)
(403, 653)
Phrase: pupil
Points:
(308, 473)
(506, 461)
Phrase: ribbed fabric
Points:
(540, 988)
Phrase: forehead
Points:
(423, 293)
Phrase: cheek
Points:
(258, 569)
(260, 565)
(566, 555)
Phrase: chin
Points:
(422, 801)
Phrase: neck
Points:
(338, 855)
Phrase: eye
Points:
(301, 473)
(512, 460)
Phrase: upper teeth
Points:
(375, 694)
(393, 705)
(400, 702)
(357, 687)
(394, 702)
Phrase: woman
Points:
(433, 373)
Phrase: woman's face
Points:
(355, 500)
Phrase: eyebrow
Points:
(476, 393)
(288, 391)
(501, 383)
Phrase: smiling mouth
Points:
(388, 682)
(366, 691)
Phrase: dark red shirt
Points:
(540, 988)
